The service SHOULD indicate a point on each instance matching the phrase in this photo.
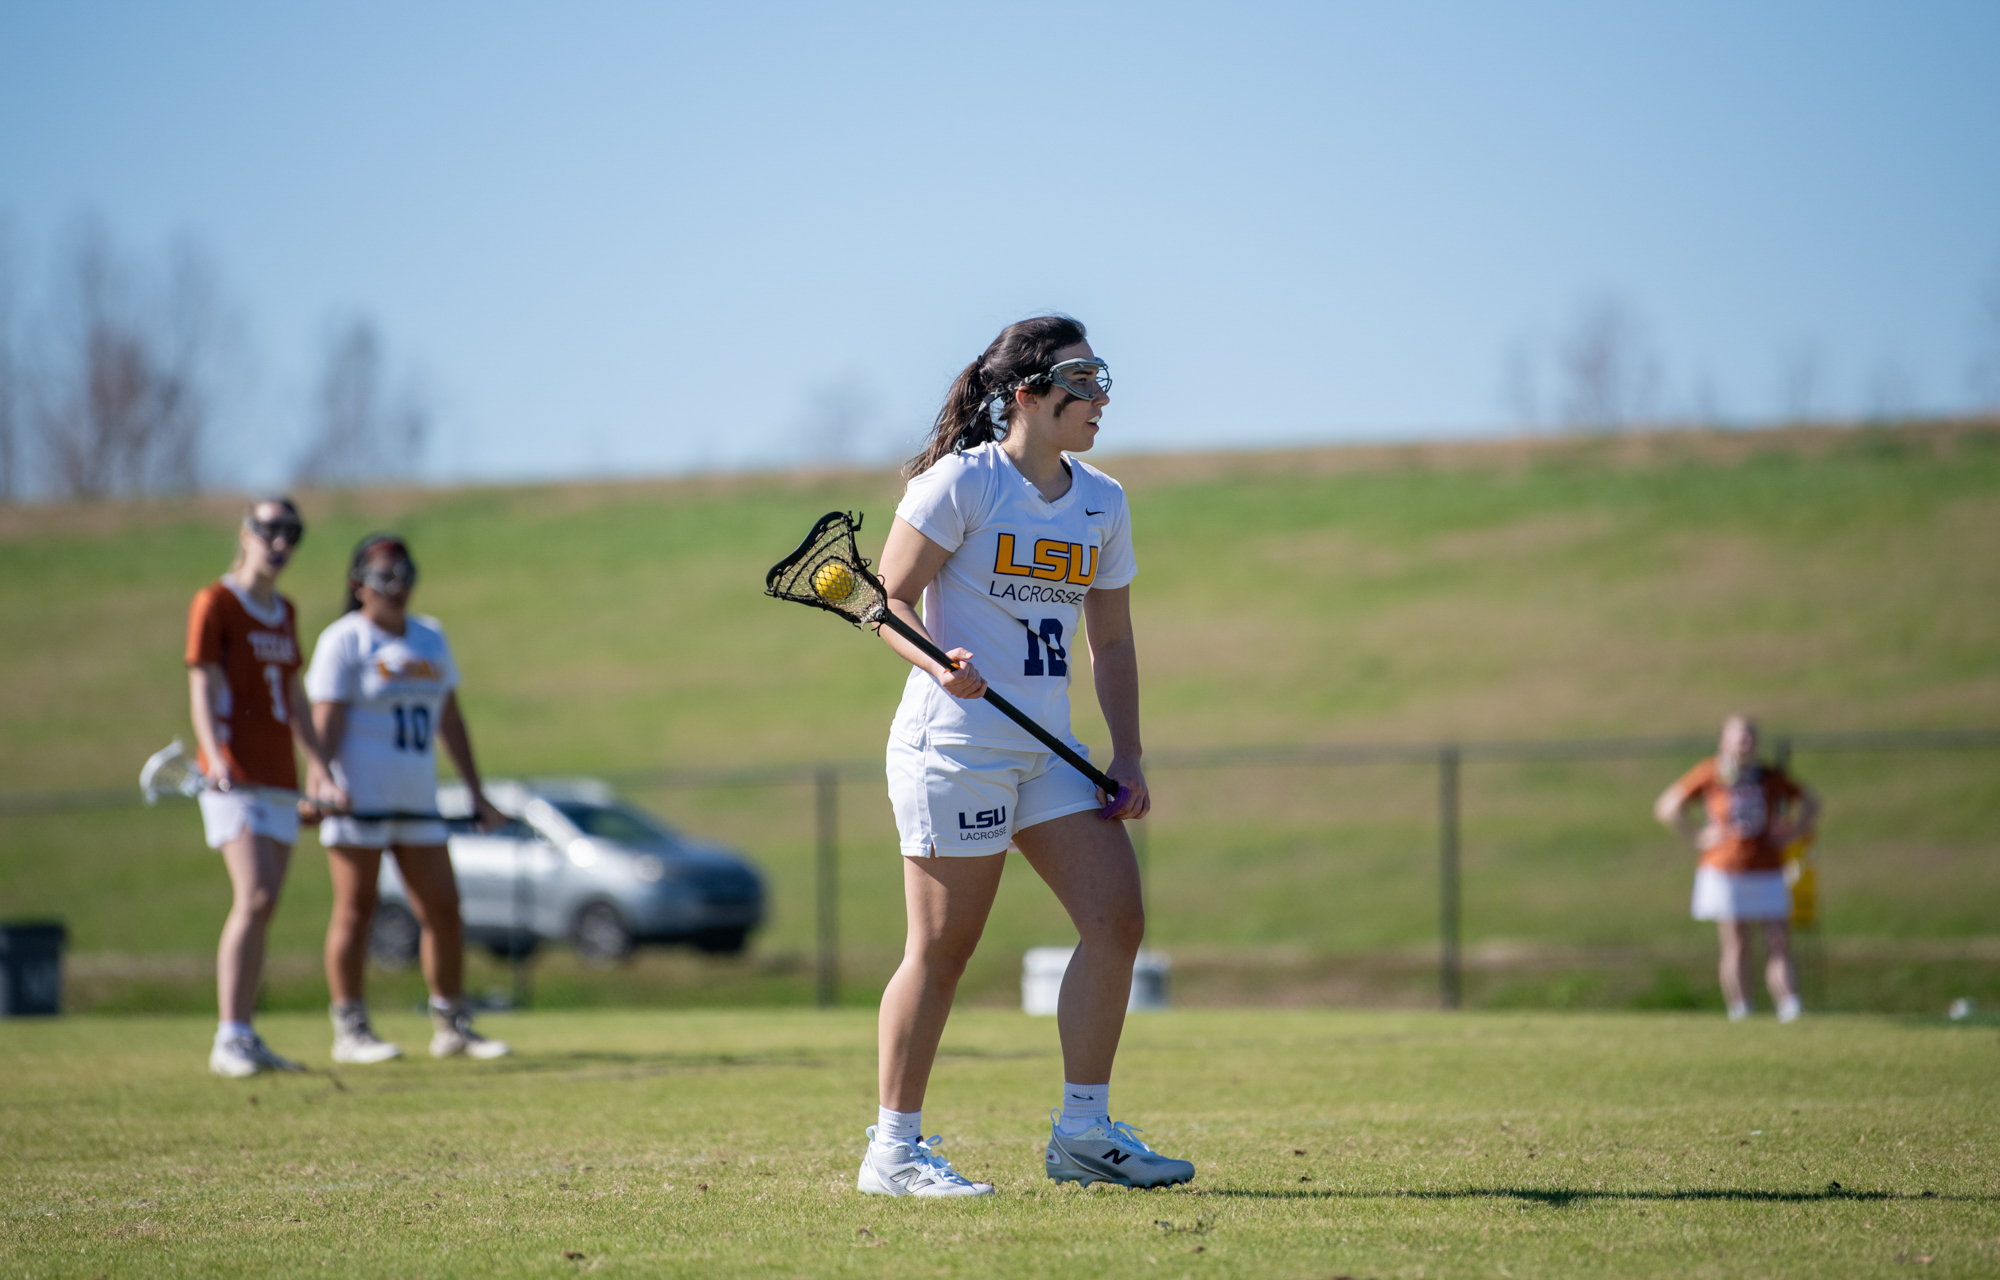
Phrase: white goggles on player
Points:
(394, 578)
(1086, 378)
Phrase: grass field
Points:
(1643, 585)
(725, 1143)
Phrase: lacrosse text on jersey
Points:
(394, 689)
(1013, 590)
(258, 651)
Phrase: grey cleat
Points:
(354, 1041)
(913, 1169)
(1111, 1153)
(454, 1035)
(241, 1056)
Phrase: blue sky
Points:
(632, 239)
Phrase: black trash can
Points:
(31, 968)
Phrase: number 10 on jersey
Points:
(1048, 635)
(413, 728)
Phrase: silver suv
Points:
(572, 861)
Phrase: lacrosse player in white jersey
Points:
(1016, 549)
(384, 690)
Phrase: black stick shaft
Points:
(1007, 708)
(397, 815)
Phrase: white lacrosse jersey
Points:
(1013, 590)
(394, 688)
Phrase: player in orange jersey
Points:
(249, 708)
(1753, 811)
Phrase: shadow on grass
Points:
(1563, 1197)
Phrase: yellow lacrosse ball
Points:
(833, 581)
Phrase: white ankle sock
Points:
(233, 1030)
(892, 1127)
(1738, 1012)
(1789, 1009)
(1084, 1105)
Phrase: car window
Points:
(512, 829)
(615, 824)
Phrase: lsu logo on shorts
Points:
(984, 820)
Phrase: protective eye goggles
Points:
(395, 578)
(269, 531)
(1086, 379)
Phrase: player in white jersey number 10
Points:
(1013, 546)
(384, 690)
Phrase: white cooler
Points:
(1042, 970)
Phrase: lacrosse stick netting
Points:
(829, 572)
(170, 771)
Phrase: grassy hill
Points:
(1827, 579)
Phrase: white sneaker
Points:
(454, 1035)
(241, 1056)
(1789, 1009)
(912, 1169)
(1110, 1153)
(354, 1041)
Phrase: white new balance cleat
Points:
(454, 1035)
(354, 1041)
(241, 1056)
(913, 1169)
(1111, 1153)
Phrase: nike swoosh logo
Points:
(1087, 511)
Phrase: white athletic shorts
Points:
(953, 800)
(226, 815)
(1740, 895)
(352, 833)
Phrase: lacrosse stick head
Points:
(169, 772)
(829, 572)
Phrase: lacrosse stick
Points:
(829, 572)
(170, 771)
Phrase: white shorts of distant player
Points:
(226, 815)
(1740, 895)
(954, 800)
(408, 833)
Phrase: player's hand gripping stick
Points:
(1116, 792)
(828, 572)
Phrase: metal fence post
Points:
(1449, 988)
(517, 940)
(827, 986)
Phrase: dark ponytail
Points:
(1017, 355)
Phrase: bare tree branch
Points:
(121, 400)
(839, 416)
(1611, 373)
(1985, 371)
(10, 366)
(361, 432)
(1799, 383)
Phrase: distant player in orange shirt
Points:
(1753, 811)
(249, 708)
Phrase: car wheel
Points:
(600, 936)
(721, 942)
(393, 936)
